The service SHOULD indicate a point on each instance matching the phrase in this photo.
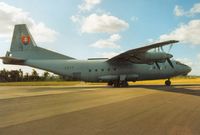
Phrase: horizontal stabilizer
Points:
(12, 60)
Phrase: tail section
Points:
(23, 47)
(22, 39)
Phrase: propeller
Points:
(159, 49)
(168, 59)
(162, 49)
(158, 66)
(170, 47)
(170, 63)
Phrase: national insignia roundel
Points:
(25, 39)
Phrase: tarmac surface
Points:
(100, 110)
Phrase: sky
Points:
(104, 28)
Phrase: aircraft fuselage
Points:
(102, 71)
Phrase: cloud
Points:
(185, 61)
(195, 9)
(150, 40)
(103, 24)
(108, 43)
(42, 33)
(187, 33)
(11, 15)
(198, 57)
(108, 54)
(179, 11)
(88, 5)
(196, 66)
(77, 18)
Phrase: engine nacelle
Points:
(151, 57)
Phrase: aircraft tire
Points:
(168, 83)
(124, 84)
(110, 83)
(116, 84)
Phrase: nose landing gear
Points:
(168, 82)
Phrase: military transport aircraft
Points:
(133, 65)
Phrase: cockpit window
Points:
(179, 63)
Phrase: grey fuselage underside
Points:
(93, 70)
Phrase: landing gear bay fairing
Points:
(133, 65)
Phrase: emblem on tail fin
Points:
(25, 39)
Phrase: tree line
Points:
(19, 75)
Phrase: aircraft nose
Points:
(188, 70)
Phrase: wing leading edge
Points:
(137, 55)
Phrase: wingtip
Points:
(174, 41)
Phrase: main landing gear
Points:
(168, 82)
(118, 84)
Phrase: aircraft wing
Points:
(134, 54)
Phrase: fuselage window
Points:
(114, 69)
(96, 70)
(102, 70)
(90, 70)
(108, 69)
(69, 68)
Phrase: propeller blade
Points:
(162, 49)
(170, 63)
(170, 47)
(158, 66)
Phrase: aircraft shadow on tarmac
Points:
(63, 88)
(182, 89)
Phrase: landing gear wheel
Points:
(168, 83)
(120, 84)
(110, 83)
(124, 84)
(116, 84)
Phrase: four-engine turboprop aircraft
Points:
(133, 65)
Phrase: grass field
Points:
(73, 83)
(174, 81)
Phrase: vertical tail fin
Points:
(24, 47)
(22, 39)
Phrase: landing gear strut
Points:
(124, 84)
(110, 83)
(168, 82)
(118, 84)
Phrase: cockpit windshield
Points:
(179, 63)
